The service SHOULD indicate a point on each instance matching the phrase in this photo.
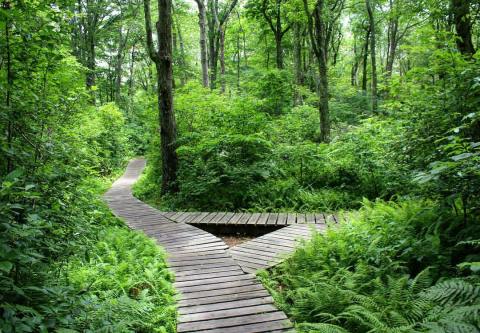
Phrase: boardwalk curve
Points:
(216, 295)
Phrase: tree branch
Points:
(148, 28)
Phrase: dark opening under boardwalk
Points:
(216, 295)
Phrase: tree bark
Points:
(122, 42)
(365, 61)
(373, 56)
(222, 60)
(297, 61)
(317, 32)
(463, 26)
(275, 24)
(202, 23)
(164, 64)
(10, 164)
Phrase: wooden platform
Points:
(272, 248)
(216, 295)
(259, 219)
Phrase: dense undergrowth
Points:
(66, 264)
(405, 267)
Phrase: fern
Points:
(454, 292)
(322, 328)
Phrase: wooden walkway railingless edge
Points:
(258, 219)
(216, 295)
(270, 249)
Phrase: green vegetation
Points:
(392, 268)
(66, 264)
(367, 107)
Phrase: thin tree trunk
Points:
(392, 44)
(365, 62)
(122, 41)
(297, 61)
(202, 23)
(182, 62)
(10, 165)
(222, 59)
(131, 79)
(373, 56)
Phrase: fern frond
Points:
(322, 328)
(454, 292)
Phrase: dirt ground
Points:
(232, 241)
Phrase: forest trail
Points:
(216, 294)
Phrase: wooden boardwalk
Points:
(265, 219)
(216, 295)
(270, 249)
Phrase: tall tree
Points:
(273, 13)
(163, 59)
(463, 26)
(373, 57)
(217, 18)
(321, 22)
(202, 23)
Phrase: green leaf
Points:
(6, 266)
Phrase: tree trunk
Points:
(91, 54)
(122, 41)
(323, 106)
(131, 79)
(182, 62)
(222, 59)
(279, 50)
(297, 61)
(10, 165)
(463, 26)
(392, 44)
(365, 62)
(372, 55)
(202, 23)
(356, 59)
(164, 64)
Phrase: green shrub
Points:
(126, 283)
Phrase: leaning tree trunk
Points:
(373, 56)
(202, 23)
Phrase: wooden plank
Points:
(213, 280)
(225, 218)
(310, 218)
(217, 217)
(244, 219)
(254, 218)
(226, 313)
(236, 217)
(249, 294)
(262, 219)
(225, 305)
(282, 219)
(319, 218)
(228, 322)
(301, 218)
(272, 218)
(220, 292)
